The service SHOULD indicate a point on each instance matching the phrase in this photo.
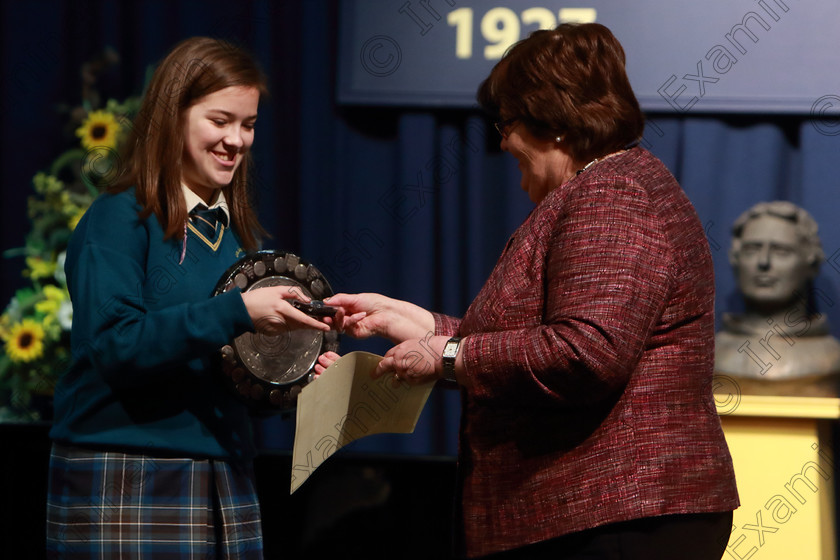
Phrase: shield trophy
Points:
(267, 372)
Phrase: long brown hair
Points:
(196, 67)
(571, 82)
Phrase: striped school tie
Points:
(204, 219)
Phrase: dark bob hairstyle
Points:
(570, 82)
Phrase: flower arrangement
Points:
(35, 325)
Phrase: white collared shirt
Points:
(194, 200)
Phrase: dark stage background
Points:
(415, 203)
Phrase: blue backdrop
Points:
(415, 203)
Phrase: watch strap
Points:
(450, 352)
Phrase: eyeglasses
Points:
(502, 126)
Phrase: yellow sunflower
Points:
(100, 129)
(25, 341)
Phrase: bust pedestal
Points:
(784, 467)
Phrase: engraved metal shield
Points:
(267, 371)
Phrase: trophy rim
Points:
(248, 382)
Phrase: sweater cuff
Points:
(233, 307)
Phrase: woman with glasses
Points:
(585, 363)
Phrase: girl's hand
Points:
(272, 314)
(325, 360)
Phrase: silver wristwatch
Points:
(450, 351)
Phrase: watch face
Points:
(450, 350)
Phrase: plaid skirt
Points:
(104, 504)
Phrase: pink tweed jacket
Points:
(591, 349)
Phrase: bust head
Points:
(776, 254)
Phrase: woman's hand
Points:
(414, 361)
(272, 314)
(325, 360)
(366, 315)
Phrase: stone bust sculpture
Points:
(781, 344)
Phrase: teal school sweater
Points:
(146, 334)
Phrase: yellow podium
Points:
(784, 466)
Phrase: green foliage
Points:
(35, 325)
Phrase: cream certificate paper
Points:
(345, 404)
